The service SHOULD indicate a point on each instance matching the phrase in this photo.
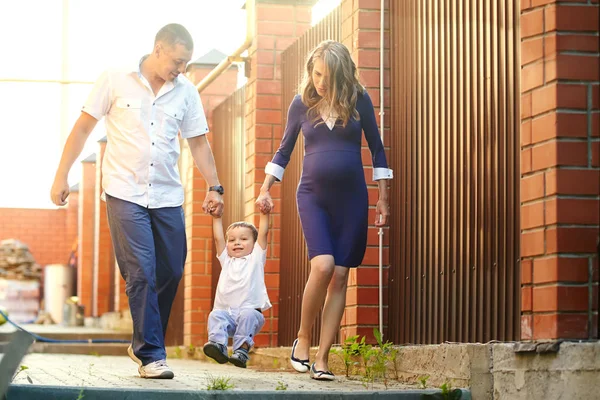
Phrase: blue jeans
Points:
(150, 247)
(242, 325)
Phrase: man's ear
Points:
(158, 48)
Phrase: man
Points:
(145, 108)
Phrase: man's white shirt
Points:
(140, 161)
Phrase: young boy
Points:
(241, 292)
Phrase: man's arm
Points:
(218, 234)
(263, 231)
(81, 131)
(205, 161)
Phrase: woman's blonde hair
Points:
(343, 87)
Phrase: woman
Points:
(332, 110)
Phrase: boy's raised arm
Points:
(263, 230)
(218, 234)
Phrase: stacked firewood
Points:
(16, 261)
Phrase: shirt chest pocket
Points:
(173, 116)
(128, 113)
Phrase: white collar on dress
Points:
(331, 120)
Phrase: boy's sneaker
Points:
(216, 351)
(156, 370)
(239, 358)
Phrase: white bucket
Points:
(58, 286)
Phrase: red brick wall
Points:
(560, 163)
(104, 256)
(44, 231)
(278, 26)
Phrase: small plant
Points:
(275, 363)
(177, 352)
(423, 381)
(95, 353)
(218, 383)
(393, 359)
(347, 351)
(21, 369)
(447, 393)
(281, 386)
(191, 350)
(81, 395)
(90, 369)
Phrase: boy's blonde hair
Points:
(243, 224)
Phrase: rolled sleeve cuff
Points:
(382, 173)
(194, 133)
(275, 170)
(96, 114)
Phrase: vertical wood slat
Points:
(454, 244)
(295, 266)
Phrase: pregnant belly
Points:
(333, 168)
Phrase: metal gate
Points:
(295, 266)
(454, 247)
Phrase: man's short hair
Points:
(173, 34)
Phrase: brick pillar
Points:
(360, 33)
(85, 250)
(278, 26)
(71, 231)
(560, 176)
(104, 257)
(197, 281)
(73, 217)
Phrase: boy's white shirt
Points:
(242, 281)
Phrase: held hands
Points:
(264, 202)
(59, 191)
(382, 212)
(213, 204)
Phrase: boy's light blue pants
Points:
(240, 324)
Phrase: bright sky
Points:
(36, 117)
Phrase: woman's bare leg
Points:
(321, 271)
(335, 303)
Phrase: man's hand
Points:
(213, 204)
(59, 191)
(264, 202)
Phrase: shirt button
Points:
(149, 184)
(151, 123)
(153, 104)
(152, 164)
(152, 143)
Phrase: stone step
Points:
(36, 392)
(103, 349)
(65, 333)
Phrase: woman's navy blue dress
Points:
(332, 193)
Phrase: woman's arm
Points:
(274, 169)
(381, 172)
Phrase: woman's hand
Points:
(382, 212)
(264, 202)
